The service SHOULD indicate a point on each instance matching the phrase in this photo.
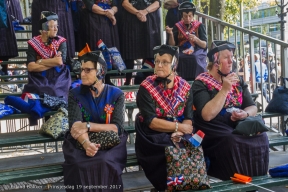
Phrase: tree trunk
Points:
(216, 9)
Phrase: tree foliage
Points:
(232, 9)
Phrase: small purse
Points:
(107, 139)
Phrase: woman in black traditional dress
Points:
(190, 35)
(8, 44)
(140, 31)
(165, 104)
(62, 9)
(47, 72)
(213, 93)
(14, 9)
(98, 22)
(94, 108)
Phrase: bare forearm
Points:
(129, 7)
(171, 40)
(214, 106)
(201, 43)
(252, 110)
(96, 127)
(34, 67)
(153, 7)
(162, 125)
(98, 10)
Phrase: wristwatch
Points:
(88, 126)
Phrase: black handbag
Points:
(107, 139)
(250, 126)
(279, 101)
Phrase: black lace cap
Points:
(219, 46)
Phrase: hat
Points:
(96, 57)
(219, 46)
(187, 7)
(45, 17)
(166, 49)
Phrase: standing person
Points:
(98, 22)
(46, 54)
(140, 31)
(261, 75)
(190, 36)
(8, 44)
(214, 92)
(61, 8)
(271, 65)
(94, 108)
(14, 9)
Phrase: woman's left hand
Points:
(78, 128)
(238, 115)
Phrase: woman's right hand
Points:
(169, 30)
(91, 148)
(229, 80)
(185, 128)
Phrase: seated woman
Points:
(46, 57)
(165, 104)
(94, 108)
(213, 93)
(190, 36)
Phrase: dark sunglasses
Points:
(87, 70)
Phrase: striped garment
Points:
(46, 51)
(168, 104)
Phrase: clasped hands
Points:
(141, 15)
(110, 14)
(78, 128)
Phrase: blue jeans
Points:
(264, 91)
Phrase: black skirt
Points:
(139, 38)
(190, 66)
(95, 27)
(65, 21)
(103, 170)
(8, 44)
(231, 153)
(14, 9)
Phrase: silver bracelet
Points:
(176, 126)
(83, 141)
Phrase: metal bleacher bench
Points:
(17, 169)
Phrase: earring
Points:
(155, 72)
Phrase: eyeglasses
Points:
(87, 70)
(164, 63)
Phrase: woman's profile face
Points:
(52, 28)
(163, 65)
(88, 73)
(187, 17)
(226, 60)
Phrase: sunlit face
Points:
(88, 77)
(52, 28)
(163, 65)
(187, 17)
(225, 61)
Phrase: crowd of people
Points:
(169, 107)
